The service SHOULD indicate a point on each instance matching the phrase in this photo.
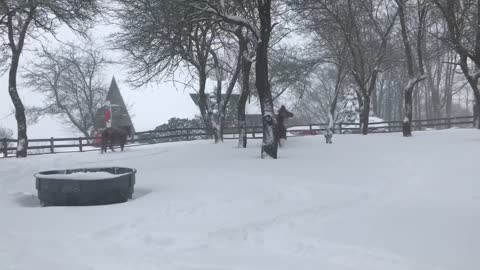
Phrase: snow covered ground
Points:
(377, 202)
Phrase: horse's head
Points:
(284, 113)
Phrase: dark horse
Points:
(281, 130)
(112, 136)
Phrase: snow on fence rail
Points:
(83, 144)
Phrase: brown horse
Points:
(114, 136)
(281, 130)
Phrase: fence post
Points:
(5, 146)
(188, 134)
(52, 147)
(339, 128)
(80, 146)
(311, 129)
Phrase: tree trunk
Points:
(203, 104)
(216, 129)
(408, 111)
(473, 81)
(333, 106)
(269, 146)
(427, 102)
(476, 107)
(448, 103)
(364, 114)
(375, 103)
(436, 90)
(22, 139)
(219, 129)
(242, 122)
(216, 120)
(22, 143)
(476, 114)
(449, 81)
(412, 78)
(417, 112)
(242, 128)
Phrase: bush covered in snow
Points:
(348, 109)
(349, 112)
(5, 133)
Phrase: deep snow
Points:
(377, 202)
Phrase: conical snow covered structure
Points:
(119, 116)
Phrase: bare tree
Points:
(245, 45)
(158, 40)
(221, 63)
(163, 35)
(327, 46)
(415, 72)
(22, 19)
(318, 101)
(365, 27)
(263, 32)
(289, 71)
(462, 18)
(70, 78)
(256, 16)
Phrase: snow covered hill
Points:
(377, 202)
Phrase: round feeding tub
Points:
(88, 186)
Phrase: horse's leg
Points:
(282, 136)
(102, 145)
(122, 140)
(111, 144)
(105, 145)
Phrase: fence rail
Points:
(83, 144)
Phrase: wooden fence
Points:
(83, 144)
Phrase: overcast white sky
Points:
(151, 105)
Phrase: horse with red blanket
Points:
(114, 136)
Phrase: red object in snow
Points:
(97, 139)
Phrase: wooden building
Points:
(119, 113)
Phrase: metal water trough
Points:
(62, 188)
